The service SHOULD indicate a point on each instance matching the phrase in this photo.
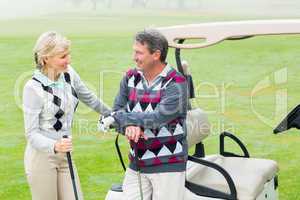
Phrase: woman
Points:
(50, 99)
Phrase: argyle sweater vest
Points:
(166, 147)
(57, 100)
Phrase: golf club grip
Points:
(136, 158)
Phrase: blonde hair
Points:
(49, 43)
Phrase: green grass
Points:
(101, 52)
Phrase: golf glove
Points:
(105, 123)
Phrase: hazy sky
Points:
(21, 8)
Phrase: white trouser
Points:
(156, 186)
(48, 176)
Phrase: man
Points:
(150, 109)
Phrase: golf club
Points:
(71, 172)
(138, 170)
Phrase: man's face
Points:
(142, 56)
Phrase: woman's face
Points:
(59, 63)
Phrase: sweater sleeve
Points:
(32, 107)
(88, 97)
(122, 96)
(172, 105)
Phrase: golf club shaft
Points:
(138, 171)
(72, 174)
(140, 185)
(69, 158)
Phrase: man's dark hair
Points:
(155, 41)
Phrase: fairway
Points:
(225, 78)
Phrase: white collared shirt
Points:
(163, 73)
(48, 82)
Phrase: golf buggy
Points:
(226, 175)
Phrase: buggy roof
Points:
(213, 33)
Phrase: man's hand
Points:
(134, 133)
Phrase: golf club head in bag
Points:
(292, 120)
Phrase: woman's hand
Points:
(134, 133)
(64, 145)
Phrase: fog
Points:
(23, 8)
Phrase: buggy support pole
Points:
(191, 91)
(71, 172)
(178, 58)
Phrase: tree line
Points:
(132, 3)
